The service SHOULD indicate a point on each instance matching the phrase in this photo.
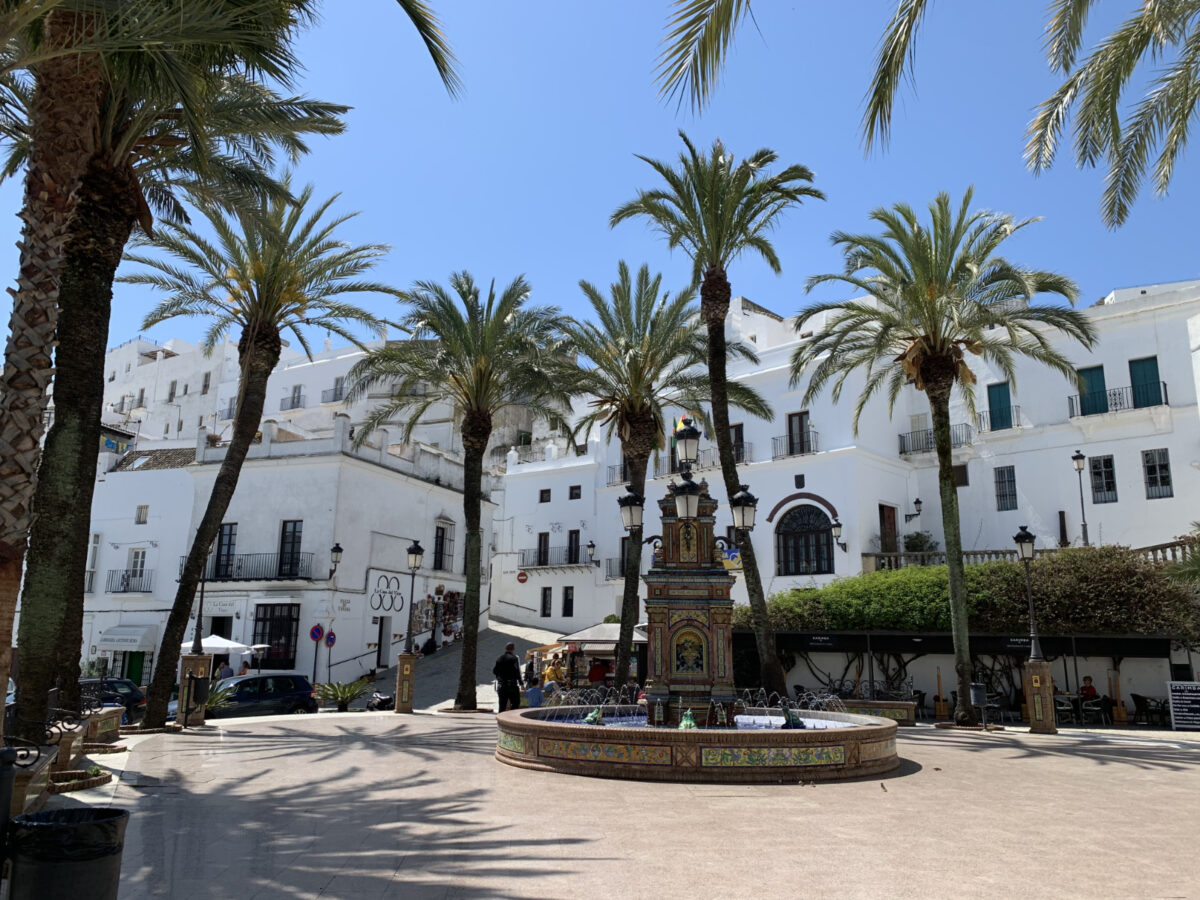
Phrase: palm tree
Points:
(645, 352)
(716, 210)
(484, 359)
(933, 294)
(147, 150)
(1167, 35)
(273, 267)
(63, 45)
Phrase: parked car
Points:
(119, 692)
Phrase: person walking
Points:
(508, 677)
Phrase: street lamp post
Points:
(687, 492)
(415, 555)
(1039, 685)
(1024, 540)
(1079, 459)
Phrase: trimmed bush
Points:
(1086, 590)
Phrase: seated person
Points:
(1088, 693)
(533, 693)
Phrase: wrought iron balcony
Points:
(227, 412)
(616, 474)
(334, 394)
(256, 567)
(1138, 396)
(543, 557)
(795, 444)
(1001, 418)
(130, 581)
(922, 441)
(709, 458)
(292, 401)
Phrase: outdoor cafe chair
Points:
(1064, 709)
(1094, 709)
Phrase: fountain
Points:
(692, 724)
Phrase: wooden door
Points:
(888, 542)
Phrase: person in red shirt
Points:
(596, 673)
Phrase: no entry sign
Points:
(522, 577)
(317, 632)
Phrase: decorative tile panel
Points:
(514, 743)
(877, 749)
(620, 754)
(760, 757)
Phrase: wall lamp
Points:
(836, 530)
(908, 517)
(335, 557)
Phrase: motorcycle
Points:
(380, 701)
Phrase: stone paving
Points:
(375, 805)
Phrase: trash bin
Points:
(67, 853)
(979, 694)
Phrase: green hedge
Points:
(1087, 590)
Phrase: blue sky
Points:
(521, 174)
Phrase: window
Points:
(167, 430)
(142, 515)
(737, 438)
(112, 376)
(544, 495)
(226, 547)
(137, 562)
(547, 602)
(574, 492)
(568, 606)
(572, 548)
(200, 421)
(291, 532)
(961, 479)
(89, 583)
(543, 548)
(1104, 479)
(171, 392)
(128, 366)
(206, 382)
(277, 625)
(799, 436)
(141, 400)
(443, 546)
(1000, 411)
(804, 542)
(120, 408)
(185, 389)
(1157, 467)
(1143, 376)
(1093, 397)
(1006, 488)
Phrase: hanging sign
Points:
(317, 632)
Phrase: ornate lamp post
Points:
(406, 662)
(1079, 459)
(416, 554)
(1039, 690)
(1024, 540)
(687, 492)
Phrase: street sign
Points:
(1184, 700)
(330, 639)
(317, 632)
(522, 577)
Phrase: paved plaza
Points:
(374, 805)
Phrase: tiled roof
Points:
(171, 458)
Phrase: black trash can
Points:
(67, 853)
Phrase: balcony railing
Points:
(334, 394)
(129, 581)
(541, 557)
(874, 561)
(1001, 418)
(709, 458)
(292, 401)
(227, 412)
(257, 567)
(794, 444)
(922, 441)
(616, 474)
(1138, 396)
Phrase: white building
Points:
(1137, 425)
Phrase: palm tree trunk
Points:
(714, 306)
(258, 352)
(52, 600)
(62, 121)
(476, 430)
(635, 477)
(939, 407)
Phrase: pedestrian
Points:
(508, 677)
(530, 669)
(245, 669)
(533, 693)
(226, 671)
(596, 673)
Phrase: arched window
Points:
(804, 542)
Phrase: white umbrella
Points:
(214, 643)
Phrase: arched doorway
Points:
(804, 542)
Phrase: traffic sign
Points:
(330, 639)
(317, 632)
(522, 577)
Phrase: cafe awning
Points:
(129, 638)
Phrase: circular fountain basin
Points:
(842, 745)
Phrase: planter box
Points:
(166, 729)
(68, 780)
(104, 726)
(29, 784)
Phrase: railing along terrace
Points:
(1002, 418)
(129, 581)
(922, 441)
(1138, 396)
(709, 458)
(292, 402)
(334, 395)
(616, 474)
(228, 412)
(539, 557)
(795, 445)
(1170, 552)
(256, 567)
(529, 453)
(876, 561)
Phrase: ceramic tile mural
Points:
(514, 743)
(827, 755)
(877, 749)
(621, 754)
